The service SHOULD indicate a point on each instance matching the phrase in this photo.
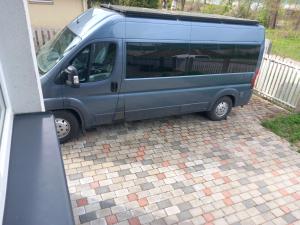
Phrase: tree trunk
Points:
(274, 13)
(164, 4)
(297, 24)
(174, 5)
(182, 4)
(274, 20)
(89, 4)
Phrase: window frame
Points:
(3, 107)
(46, 2)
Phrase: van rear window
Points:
(147, 60)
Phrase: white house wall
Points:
(18, 58)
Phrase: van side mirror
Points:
(72, 77)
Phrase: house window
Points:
(41, 1)
(2, 112)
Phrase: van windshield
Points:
(53, 51)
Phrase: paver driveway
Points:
(185, 170)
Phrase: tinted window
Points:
(222, 58)
(156, 60)
(95, 62)
(164, 60)
(81, 63)
(245, 59)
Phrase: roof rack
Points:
(176, 15)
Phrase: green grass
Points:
(285, 43)
(287, 126)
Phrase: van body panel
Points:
(54, 103)
(156, 29)
(201, 32)
(177, 95)
(142, 98)
(86, 21)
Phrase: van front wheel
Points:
(67, 126)
(220, 109)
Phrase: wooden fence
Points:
(41, 36)
(279, 81)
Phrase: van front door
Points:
(99, 67)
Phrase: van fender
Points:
(53, 104)
(77, 106)
(225, 92)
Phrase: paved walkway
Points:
(185, 170)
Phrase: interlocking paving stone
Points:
(262, 208)
(249, 203)
(164, 204)
(102, 190)
(146, 186)
(184, 216)
(185, 170)
(87, 217)
(107, 203)
(184, 206)
(289, 218)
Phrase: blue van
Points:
(124, 63)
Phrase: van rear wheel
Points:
(220, 109)
(67, 126)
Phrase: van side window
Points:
(146, 60)
(222, 58)
(95, 62)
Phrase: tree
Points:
(274, 14)
(91, 3)
(138, 3)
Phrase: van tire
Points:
(220, 109)
(68, 125)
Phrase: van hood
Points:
(86, 21)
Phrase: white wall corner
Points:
(34, 55)
(5, 142)
(18, 58)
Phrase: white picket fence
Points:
(279, 81)
(42, 35)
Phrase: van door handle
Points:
(114, 86)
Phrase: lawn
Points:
(287, 126)
(285, 43)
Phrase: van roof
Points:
(176, 15)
